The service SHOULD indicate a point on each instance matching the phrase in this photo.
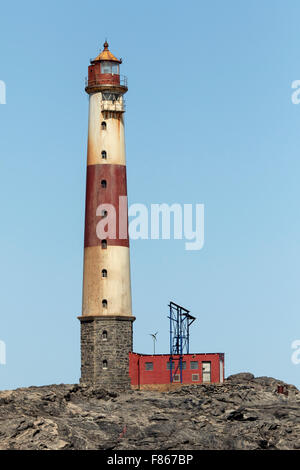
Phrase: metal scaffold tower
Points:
(180, 322)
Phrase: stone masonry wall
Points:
(113, 346)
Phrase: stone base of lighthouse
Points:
(105, 345)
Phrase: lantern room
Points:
(104, 73)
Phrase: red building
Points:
(156, 372)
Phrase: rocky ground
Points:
(243, 413)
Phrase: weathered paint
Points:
(106, 55)
(115, 178)
(115, 288)
(159, 377)
(115, 259)
(95, 77)
(111, 140)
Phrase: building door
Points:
(221, 371)
(206, 372)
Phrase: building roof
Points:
(106, 55)
(178, 355)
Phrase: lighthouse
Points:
(106, 320)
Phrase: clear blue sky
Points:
(209, 120)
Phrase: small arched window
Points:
(103, 125)
(104, 154)
(104, 303)
(104, 364)
(103, 184)
(104, 273)
(103, 244)
(104, 335)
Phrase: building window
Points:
(194, 365)
(103, 125)
(176, 378)
(195, 377)
(149, 366)
(206, 371)
(103, 184)
(104, 154)
(104, 364)
(103, 244)
(178, 365)
(104, 303)
(104, 273)
(104, 335)
(169, 365)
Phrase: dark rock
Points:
(241, 377)
(49, 397)
(159, 417)
(281, 413)
(243, 413)
(236, 415)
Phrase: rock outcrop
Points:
(243, 413)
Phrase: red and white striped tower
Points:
(106, 321)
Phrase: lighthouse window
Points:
(103, 184)
(104, 154)
(109, 67)
(104, 244)
(104, 273)
(107, 96)
(115, 69)
(104, 213)
(104, 303)
(104, 335)
(103, 125)
(104, 364)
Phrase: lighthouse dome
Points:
(106, 55)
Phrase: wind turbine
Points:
(154, 340)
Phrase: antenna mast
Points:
(180, 322)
